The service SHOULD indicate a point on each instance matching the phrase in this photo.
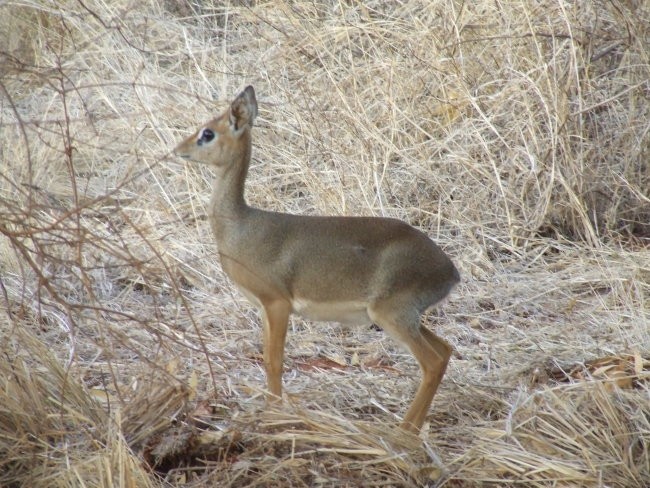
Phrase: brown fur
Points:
(346, 269)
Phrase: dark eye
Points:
(205, 136)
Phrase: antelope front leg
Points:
(276, 320)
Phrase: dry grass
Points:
(517, 135)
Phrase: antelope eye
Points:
(205, 136)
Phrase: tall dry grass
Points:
(515, 134)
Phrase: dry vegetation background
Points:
(516, 134)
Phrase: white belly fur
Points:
(348, 313)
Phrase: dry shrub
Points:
(56, 432)
(583, 435)
(516, 135)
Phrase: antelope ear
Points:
(243, 110)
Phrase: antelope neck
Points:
(227, 199)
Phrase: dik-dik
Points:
(353, 270)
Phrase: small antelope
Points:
(353, 270)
